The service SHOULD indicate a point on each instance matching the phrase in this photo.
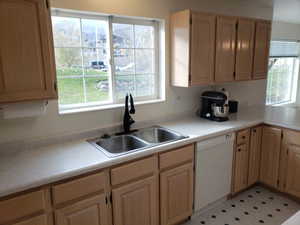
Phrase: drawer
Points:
(176, 157)
(134, 170)
(24, 205)
(291, 137)
(80, 187)
(243, 137)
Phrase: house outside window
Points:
(283, 72)
(99, 59)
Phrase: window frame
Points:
(114, 102)
(295, 78)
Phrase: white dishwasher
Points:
(213, 170)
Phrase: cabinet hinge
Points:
(47, 4)
(110, 198)
(55, 86)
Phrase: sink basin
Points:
(119, 145)
(114, 146)
(157, 135)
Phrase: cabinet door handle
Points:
(244, 137)
(239, 150)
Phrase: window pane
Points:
(124, 61)
(280, 80)
(68, 61)
(95, 61)
(122, 35)
(144, 36)
(94, 33)
(144, 60)
(144, 85)
(70, 90)
(124, 85)
(66, 31)
(97, 89)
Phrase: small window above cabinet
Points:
(208, 48)
(27, 70)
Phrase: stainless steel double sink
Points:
(117, 145)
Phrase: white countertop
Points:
(23, 170)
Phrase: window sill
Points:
(105, 107)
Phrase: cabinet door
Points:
(27, 70)
(136, 203)
(244, 50)
(203, 48)
(293, 171)
(261, 50)
(92, 211)
(38, 220)
(225, 52)
(254, 155)
(176, 194)
(269, 167)
(241, 168)
(180, 48)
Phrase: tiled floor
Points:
(255, 206)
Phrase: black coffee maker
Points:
(214, 106)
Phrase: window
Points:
(99, 59)
(283, 72)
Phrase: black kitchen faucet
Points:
(127, 119)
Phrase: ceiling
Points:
(287, 11)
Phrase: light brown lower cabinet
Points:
(136, 203)
(241, 168)
(91, 211)
(293, 171)
(176, 194)
(254, 155)
(270, 156)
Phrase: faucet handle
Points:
(132, 109)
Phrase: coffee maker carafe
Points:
(214, 106)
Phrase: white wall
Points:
(285, 31)
(179, 100)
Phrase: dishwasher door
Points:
(213, 170)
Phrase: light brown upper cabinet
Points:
(193, 48)
(244, 49)
(261, 50)
(270, 156)
(27, 70)
(208, 48)
(225, 49)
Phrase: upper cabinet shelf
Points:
(208, 48)
(27, 68)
